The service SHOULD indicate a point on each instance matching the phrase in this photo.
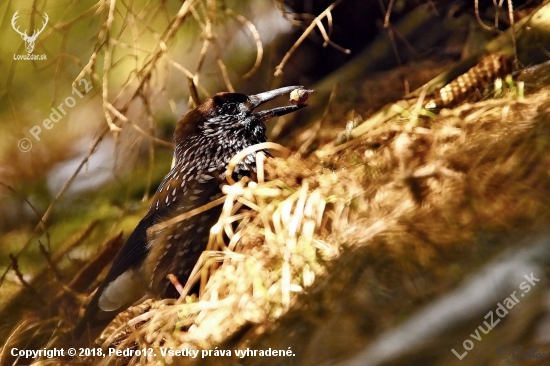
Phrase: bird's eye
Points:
(228, 108)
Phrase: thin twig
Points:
(175, 282)
(259, 46)
(478, 18)
(15, 267)
(512, 23)
(124, 119)
(225, 75)
(207, 34)
(193, 92)
(326, 38)
(34, 210)
(184, 216)
(106, 68)
(309, 29)
(48, 257)
(247, 151)
(188, 74)
(389, 28)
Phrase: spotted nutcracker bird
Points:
(206, 139)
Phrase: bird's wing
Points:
(123, 276)
(134, 251)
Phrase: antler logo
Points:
(29, 40)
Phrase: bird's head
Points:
(225, 113)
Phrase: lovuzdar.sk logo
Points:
(29, 40)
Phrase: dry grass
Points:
(412, 195)
(481, 166)
(281, 245)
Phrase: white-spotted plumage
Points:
(200, 158)
(206, 139)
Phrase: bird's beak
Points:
(259, 99)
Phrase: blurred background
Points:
(88, 115)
